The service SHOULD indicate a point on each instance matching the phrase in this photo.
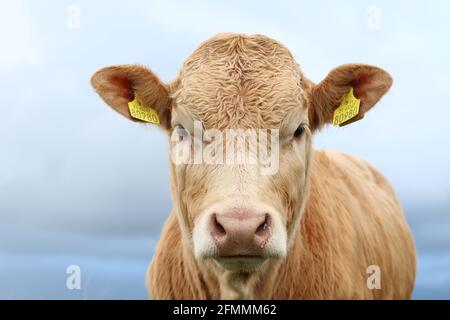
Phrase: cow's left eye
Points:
(181, 131)
(298, 133)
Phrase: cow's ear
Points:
(120, 84)
(369, 84)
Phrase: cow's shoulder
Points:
(352, 220)
(352, 171)
(164, 261)
(173, 272)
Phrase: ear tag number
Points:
(140, 112)
(348, 109)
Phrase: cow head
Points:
(235, 218)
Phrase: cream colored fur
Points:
(352, 220)
(340, 215)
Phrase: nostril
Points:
(264, 228)
(218, 229)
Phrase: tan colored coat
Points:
(352, 220)
(342, 219)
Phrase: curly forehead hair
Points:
(240, 81)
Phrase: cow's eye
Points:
(298, 133)
(181, 131)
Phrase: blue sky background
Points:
(81, 185)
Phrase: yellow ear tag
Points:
(348, 109)
(140, 112)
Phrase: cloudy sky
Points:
(80, 185)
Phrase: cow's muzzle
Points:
(240, 238)
(240, 233)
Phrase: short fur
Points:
(352, 220)
(340, 214)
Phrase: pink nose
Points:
(240, 232)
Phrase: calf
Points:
(294, 224)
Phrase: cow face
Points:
(240, 116)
